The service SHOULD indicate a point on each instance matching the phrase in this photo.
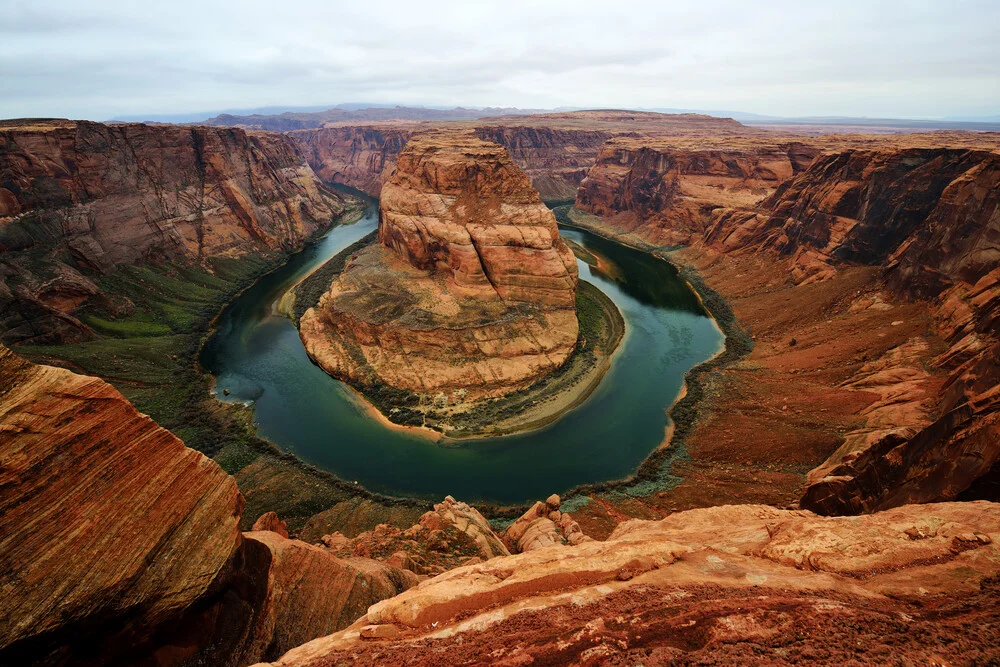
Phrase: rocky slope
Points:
(725, 585)
(122, 545)
(78, 199)
(470, 290)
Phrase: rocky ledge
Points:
(725, 585)
(470, 291)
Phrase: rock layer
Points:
(110, 524)
(726, 585)
(78, 199)
(470, 290)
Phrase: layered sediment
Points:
(470, 291)
(78, 199)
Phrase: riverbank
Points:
(602, 329)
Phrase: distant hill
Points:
(291, 120)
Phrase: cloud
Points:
(100, 59)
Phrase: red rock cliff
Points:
(80, 198)
(357, 155)
(671, 188)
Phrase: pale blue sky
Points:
(97, 60)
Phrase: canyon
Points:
(470, 291)
(855, 277)
(79, 199)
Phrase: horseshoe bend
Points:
(387, 385)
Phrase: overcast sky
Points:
(97, 60)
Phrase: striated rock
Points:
(270, 521)
(111, 527)
(726, 585)
(471, 290)
(78, 199)
(670, 188)
(543, 526)
(444, 538)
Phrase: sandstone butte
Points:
(78, 199)
(121, 545)
(470, 291)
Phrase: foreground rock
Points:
(471, 290)
(726, 585)
(78, 199)
(109, 522)
(121, 545)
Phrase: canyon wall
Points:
(357, 155)
(925, 219)
(78, 199)
(121, 545)
(670, 189)
(555, 159)
(470, 289)
(554, 150)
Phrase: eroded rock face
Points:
(670, 188)
(471, 289)
(725, 584)
(78, 199)
(109, 523)
(555, 159)
(922, 211)
(357, 155)
(298, 592)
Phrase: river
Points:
(257, 355)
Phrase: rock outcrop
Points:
(470, 290)
(725, 585)
(452, 534)
(543, 525)
(78, 199)
(109, 523)
(122, 546)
